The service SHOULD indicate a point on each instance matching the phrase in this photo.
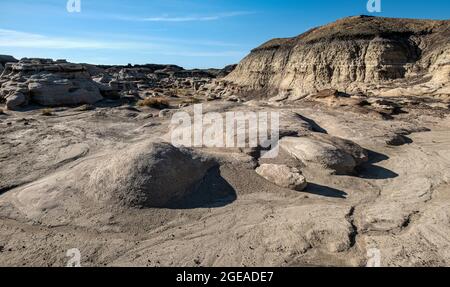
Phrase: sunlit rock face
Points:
(352, 54)
(48, 83)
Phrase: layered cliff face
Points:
(48, 83)
(353, 54)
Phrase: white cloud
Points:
(166, 18)
(164, 47)
(17, 39)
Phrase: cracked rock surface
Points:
(86, 180)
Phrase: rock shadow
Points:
(371, 171)
(325, 191)
(213, 192)
(375, 157)
(7, 188)
(315, 127)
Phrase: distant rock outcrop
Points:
(59, 83)
(48, 83)
(151, 79)
(6, 59)
(355, 54)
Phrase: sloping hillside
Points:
(353, 54)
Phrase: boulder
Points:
(147, 174)
(15, 100)
(12, 87)
(335, 154)
(55, 91)
(48, 82)
(283, 176)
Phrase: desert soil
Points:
(398, 202)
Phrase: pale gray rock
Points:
(143, 175)
(283, 176)
(15, 100)
(50, 83)
(338, 155)
(54, 91)
(147, 174)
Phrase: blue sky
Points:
(190, 33)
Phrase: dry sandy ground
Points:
(399, 202)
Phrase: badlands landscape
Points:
(86, 159)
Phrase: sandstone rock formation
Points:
(48, 83)
(147, 174)
(154, 77)
(283, 175)
(321, 150)
(59, 83)
(356, 54)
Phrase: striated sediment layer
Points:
(356, 54)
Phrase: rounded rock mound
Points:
(147, 174)
(332, 153)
